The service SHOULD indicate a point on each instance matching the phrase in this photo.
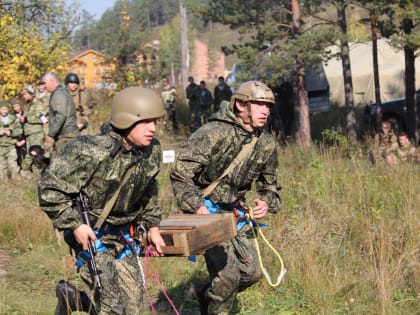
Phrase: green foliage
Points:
(31, 42)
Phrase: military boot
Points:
(199, 293)
(70, 299)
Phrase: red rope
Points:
(147, 262)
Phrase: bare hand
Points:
(83, 233)
(20, 143)
(156, 240)
(48, 139)
(202, 210)
(261, 209)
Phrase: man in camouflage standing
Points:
(202, 160)
(62, 121)
(81, 99)
(33, 121)
(168, 94)
(120, 163)
(11, 134)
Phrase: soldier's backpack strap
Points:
(242, 155)
(111, 202)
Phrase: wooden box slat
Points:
(191, 234)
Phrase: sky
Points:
(95, 7)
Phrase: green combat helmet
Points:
(253, 91)
(134, 104)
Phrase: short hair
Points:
(402, 134)
(15, 101)
(202, 82)
(51, 75)
(221, 78)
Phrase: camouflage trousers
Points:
(33, 139)
(122, 284)
(232, 267)
(8, 162)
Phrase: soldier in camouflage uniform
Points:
(62, 121)
(232, 267)
(82, 100)
(383, 141)
(404, 153)
(11, 133)
(95, 165)
(168, 94)
(33, 120)
(43, 95)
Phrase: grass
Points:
(348, 232)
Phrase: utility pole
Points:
(184, 46)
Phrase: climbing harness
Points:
(147, 266)
(245, 214)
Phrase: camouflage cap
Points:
(4, 103)
(29, 89)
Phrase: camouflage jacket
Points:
(86, 164)
(168, 94)
(15, 127)
(406, 153)
(82, 101)
(210, 150)
(44, 98)
(385, 141)
(62, 114)
(33, 123)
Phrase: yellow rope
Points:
(283, 270)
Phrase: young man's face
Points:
(41, 87)
(27, 97)
(72, 86)
(403, 140)
(142, 133)
(4, 110)
(257, 112)
(17, 108)
(386, 128)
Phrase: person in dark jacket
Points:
(222, 92)
(62, 120)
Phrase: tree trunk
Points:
(374, 31)
(184, 46)
(351, 127)
(410, 84)
(303, 129)
(302, 124)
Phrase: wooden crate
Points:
(191, 234)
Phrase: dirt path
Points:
(4, 261)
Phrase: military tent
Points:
(391, 73)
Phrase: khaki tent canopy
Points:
(391, 73)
